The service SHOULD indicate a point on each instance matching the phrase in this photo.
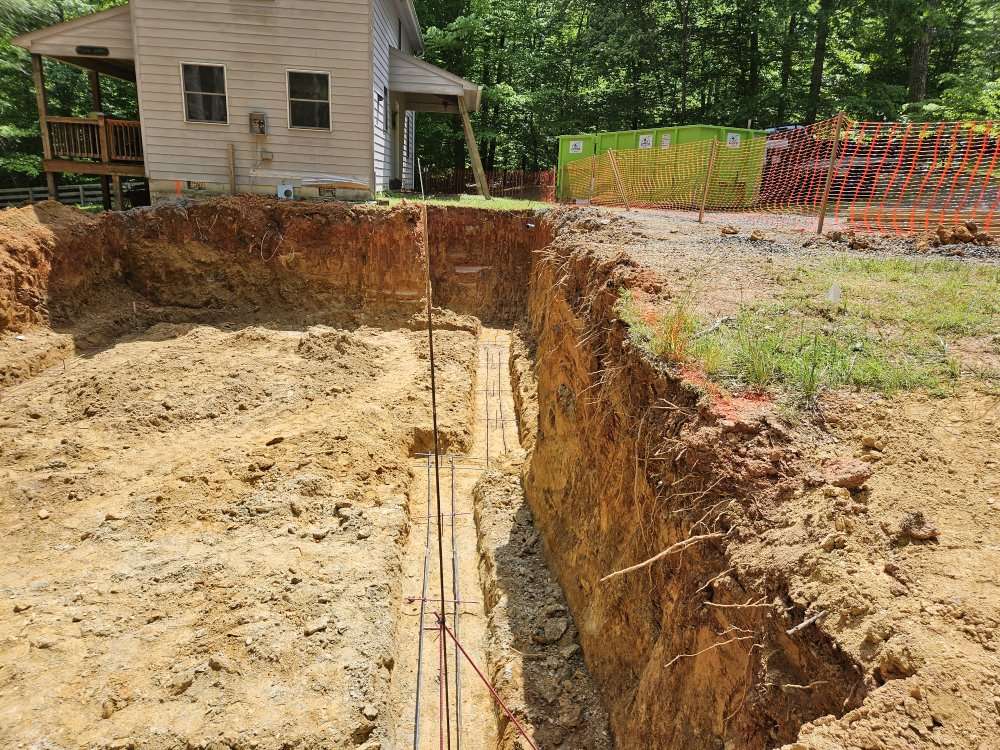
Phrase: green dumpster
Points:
(742, 175)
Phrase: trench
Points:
(598, 458)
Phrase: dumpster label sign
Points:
(665, 140)
(646, 140)
(733, 140)
(576, 147)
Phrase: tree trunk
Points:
(753, 74)
(684, 11)
(786, 67)
(921, 54)
(826, 8)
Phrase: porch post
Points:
(97, 105)
(42, 100)
(96, 102)
(119, 202)
(470, 139)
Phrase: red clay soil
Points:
(829, 585)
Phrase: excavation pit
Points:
(214, 502)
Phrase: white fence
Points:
(87, 194)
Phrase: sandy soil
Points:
(458, 475)
(202, 532)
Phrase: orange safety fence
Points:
(885, 176)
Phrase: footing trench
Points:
(419, 635)
(219, 498)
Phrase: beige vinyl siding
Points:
(257, 42)
(385, 29)
(410, 76)
(111, 29)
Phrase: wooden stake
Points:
(618, 179)
(232, 168)
(709, 173)
(838, 122)
(106, 192)
(470, 139)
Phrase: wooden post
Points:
(232, 168)
(42, 100)
(96, 101)
(470, 139)
(119, 201)
(838, 123)
(709, 173)
(618, 179)
(104, 138)
(106, 192)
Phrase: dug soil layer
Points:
(632, 459)
(787, 606)
(799, 596)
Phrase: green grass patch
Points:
(469, 201)
(875, 324)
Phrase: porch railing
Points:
(98, 138)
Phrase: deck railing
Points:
(98, 138)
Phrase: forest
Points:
(550, 67)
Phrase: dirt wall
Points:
(250, 253)
(631, 460)
(482, 259)
(51, 257)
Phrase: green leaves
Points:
(562, 66)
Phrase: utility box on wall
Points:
(258, 123)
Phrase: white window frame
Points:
(288, 98)
(225, 83)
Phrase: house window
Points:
(385, 109)
(204, 93)
(308, 100)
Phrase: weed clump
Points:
(880, 324)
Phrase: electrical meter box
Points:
(258, 123)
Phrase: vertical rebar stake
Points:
(457, 598)
(423, 607)
(437, 467)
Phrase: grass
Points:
(468, 201)
(875, 324)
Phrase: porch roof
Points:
(98, 41)
(428, 88)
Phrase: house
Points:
(305, 97)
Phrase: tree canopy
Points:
(564, 66)
(550, 67)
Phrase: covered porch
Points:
(100, 44)
(417, 86)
